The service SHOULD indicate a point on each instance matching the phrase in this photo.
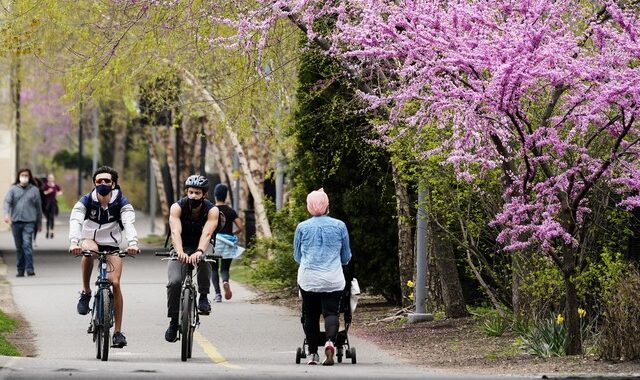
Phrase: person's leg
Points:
(311, 310)
(330, 311)
(50, 223)
(115, 263)
(204, 274)
(86, 265)
(226, 264)
(28, 232)
(175, 274)
(16, 229)
(215, 278)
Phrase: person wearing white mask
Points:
(23, 209)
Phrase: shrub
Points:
(619, 337)
(547, 337)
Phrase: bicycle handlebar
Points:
(172, 256)
(91, 252)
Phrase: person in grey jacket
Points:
(23, 209)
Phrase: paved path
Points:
(242, 338)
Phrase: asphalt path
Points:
(242, 338)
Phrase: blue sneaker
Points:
(119, 340)
(204, 307)
(171, 335)
(83, 303)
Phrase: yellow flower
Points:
(410, 284)
(411, 297)
(559, 319)
(582, 312)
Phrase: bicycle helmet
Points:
(197, 181)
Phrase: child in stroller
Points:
(343, 348)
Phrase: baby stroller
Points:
(343, 348)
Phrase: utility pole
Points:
(421, 264)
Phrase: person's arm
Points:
(75, 227)
(239, 226)
(8, 199)
(38, 205)
(345, 251)
(207, 232)
(128, 218)
(176, 232)
(297, 241)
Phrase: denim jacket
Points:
(321, 247)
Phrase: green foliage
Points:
(619, 337)
(489, 320)
(332, 152)
(546, 338)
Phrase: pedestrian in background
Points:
(321, 247)
(51, 191)
(23, 209)
(224, 263)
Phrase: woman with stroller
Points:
(321, 247)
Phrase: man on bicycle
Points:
(97, 223)
(193, 221)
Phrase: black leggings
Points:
(224, 273)
(50, 215)
(313, 305)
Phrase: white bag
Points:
(355, 290)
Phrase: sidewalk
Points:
(61, 236)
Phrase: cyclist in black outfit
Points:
(193, 221)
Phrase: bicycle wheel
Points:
(185, 323)
(96, 317)
(106, 323)
(194, 323)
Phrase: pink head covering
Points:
(317, 202)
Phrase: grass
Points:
(7, 325)
(154, 240)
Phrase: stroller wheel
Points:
(339, 354)
(299, 355)
(353, 355)
(347, 353)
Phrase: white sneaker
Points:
(313, 359)
(329, 351)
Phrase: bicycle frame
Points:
(188, 315)
(102, 313)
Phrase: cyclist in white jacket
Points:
(97, 222)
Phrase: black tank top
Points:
(192, 226)
(230, 215)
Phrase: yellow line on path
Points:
(211, 351)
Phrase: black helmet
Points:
(197, 181)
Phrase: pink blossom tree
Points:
(545, 91)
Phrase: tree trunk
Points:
(517, 268)
(406, 256)
(445, 261)
(574, 342)
(119, 141)
(157, 172)
(262, 222)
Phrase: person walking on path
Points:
(321, 247)
(23, 209)
(51, 191)
(96, 223)
(224, 263)
(193, 221)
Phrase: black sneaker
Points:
(83, 303)
(20, 274)
(31, 273)
(171, 335)
(204, 307)
(119, 340)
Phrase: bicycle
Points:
(188, 316)
(102, 312)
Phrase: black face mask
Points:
(103, 189)
(194, 203)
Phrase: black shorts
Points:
(107, 248)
